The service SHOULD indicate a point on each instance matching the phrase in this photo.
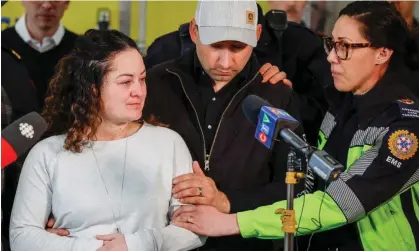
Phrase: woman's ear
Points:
(383, 55)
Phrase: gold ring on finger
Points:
(190, 219)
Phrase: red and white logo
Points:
(275, 111)
(263, 138)
(407, 101)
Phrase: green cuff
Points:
(250, 222)
(264, 223)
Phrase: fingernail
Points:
(176, 196)
(174, 181)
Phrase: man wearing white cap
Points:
(235, 24)
(200, 96)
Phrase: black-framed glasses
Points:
(342, 49)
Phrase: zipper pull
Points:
(206, 168)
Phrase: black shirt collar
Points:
(386, 92)
(372, 104)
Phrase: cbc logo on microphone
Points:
(26, 130)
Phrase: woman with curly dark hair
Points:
(104, 171)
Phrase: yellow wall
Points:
(80, 16)
(162, 16)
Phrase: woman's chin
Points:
(136, 116)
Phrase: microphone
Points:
(270, 122)
(19, 136)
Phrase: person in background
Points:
(18, 98)
(106, 172)
(372, 128)
(294, 9)
(406, 9)
(41, 40)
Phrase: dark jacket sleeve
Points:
(242, 200)
(18, 86)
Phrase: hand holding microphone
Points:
(270, 122)
(19, 136)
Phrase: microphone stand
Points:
(289, 223)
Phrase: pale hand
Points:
(205, 220)
(112, 242)
(197, 189)
(272, 74)
(58, 231)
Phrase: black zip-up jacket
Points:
(300, 54)
(247, 172)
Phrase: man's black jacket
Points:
(247, 172)
(301, 55)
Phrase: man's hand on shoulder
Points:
(273, 75)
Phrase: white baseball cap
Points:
(235, 20)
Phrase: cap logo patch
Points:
(250, 17)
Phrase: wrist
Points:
(222, 203)
(232, 226)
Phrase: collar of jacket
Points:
(183, 68)
(372, 104)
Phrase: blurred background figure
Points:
(18, 97)
(406, 9)
(41, 40)
(294, 9)
(318, 17)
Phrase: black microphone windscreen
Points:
(251, 107)
(24, 132)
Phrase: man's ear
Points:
(193, 31)
(258, 31)
(383, 55)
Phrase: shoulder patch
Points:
(408, 108)
(16, 54)
(12, 52)
(403, 144)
